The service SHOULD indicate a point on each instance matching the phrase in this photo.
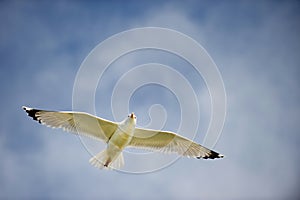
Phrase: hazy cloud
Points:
(255, 46)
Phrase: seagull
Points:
(119, 135)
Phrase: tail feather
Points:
(103, 161)
(118, 163)
(99, 160)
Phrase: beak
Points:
(132, 115)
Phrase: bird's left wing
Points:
(169, 142)
(76, 122)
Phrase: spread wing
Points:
(169, 142)
(76, 122)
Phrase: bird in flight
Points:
(119, 135)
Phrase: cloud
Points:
(255, 47)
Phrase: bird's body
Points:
(119, 140)
(119, 136)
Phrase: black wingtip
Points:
(212, 155)
(31, 113)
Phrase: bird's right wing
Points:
(76, 122)
(168, 142)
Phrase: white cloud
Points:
(258, 61)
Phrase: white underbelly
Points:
(117, 143)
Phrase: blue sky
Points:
(255, 44)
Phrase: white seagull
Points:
(119, 136)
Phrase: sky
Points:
(254, 44)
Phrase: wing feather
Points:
(169, 142)
(75, 122)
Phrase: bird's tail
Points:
(103, 160)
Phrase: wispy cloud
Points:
(255, 47)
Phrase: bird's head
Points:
(132, 117)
